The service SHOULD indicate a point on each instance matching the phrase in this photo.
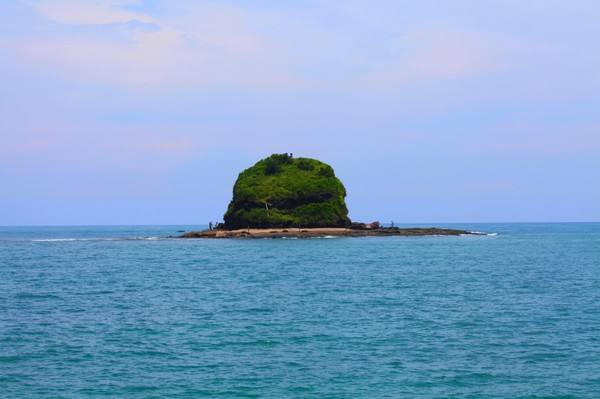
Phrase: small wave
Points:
(97, 239)
(55, 239)
(481, 233)
(74, 239)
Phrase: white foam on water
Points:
(55, 239)
(480, 233)
(97, 239)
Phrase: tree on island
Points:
(282, 191)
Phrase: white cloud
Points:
(79, 12)
(145, 58)
(432, 55)
(202, 45)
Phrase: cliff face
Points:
(281, 191)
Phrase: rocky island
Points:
(282, 196)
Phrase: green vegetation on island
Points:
(283, 191)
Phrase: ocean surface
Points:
(107, 312)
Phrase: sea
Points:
(127, 312)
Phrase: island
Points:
(286, 197)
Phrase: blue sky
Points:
(144, 112)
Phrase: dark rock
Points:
(373, 226)
(358, 226)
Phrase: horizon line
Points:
(206, 224)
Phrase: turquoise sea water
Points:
(119, 312)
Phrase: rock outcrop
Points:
(291, 232)
(282, 191)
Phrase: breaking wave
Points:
(98, 239)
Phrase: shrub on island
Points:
(282, 191)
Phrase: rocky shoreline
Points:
(325, 232)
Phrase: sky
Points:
(144, 112)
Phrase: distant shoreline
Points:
(325, 232)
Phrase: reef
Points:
(325, 232)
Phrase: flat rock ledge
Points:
(324, 232)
